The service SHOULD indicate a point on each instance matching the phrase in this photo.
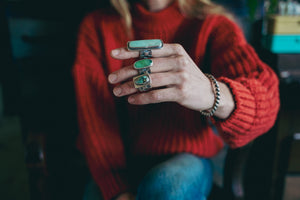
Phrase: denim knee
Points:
(184, 176)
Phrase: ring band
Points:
(145, 53)
(143, 66)
(142, 82)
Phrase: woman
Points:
(155, 144)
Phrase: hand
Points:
(175, 78)
(126, 196)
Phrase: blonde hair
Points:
(190, 8)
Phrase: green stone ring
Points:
(144, 46)
(138, 45)
(142, 82)
(143, 66)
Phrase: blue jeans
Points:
(182, 177)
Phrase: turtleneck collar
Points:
(165, 19)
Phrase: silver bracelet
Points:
(216, 88)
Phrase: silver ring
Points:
(145, 53)
(143, 66)
(142, 82)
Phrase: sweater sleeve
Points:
(253, 84)
(99, 138)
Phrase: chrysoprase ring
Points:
(143, 66)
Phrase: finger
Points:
(159, 65)
(155, 96)
(164, 79)
(165, 51)
(122, 74)
(167, 64)
(157, 80)
(125, 89)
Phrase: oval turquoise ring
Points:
(143, 66)
(142, 82)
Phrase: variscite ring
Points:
(144, 47)
(143, 66)
(142, 82)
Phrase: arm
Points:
(253, 84)
(99, 138)
(249, 88)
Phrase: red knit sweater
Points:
(216, 45)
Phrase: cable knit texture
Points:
(216, 44)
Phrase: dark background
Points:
(38, 117)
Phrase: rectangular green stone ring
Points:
(137, 45)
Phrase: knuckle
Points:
(178, 48)
(127, 88)
(121, 73)
(180, 94)
(129, 72)
(123, 51)
(153, 96)
(181, 61)
(156, 78)
(126, 72)
(178, 61)
(183, 75)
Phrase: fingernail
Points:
(112, 78)
(131, 100)
(117, 91)
(115, 52)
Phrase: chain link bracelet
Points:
(216, 88)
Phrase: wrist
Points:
(215, 88)
(226, 104)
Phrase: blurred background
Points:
(37, 106)
(38, 124)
